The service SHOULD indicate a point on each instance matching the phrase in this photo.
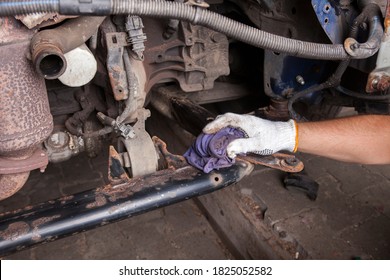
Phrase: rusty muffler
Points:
(25, 119)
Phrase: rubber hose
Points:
(195, 15)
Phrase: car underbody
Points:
(76, 76)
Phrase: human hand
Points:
(264, 137)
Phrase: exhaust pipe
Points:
(49, 46)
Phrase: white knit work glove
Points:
(264, 137)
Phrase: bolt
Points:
(58, 140)
(300, 80)
(354, 46)
(42, 169)
(374, 83)
(291, 161)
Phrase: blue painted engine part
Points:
(287, 74)
(335, 17)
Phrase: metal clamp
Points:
(198, 3)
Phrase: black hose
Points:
(359, 95)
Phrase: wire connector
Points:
(137, 38)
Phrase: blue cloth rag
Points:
(208, 152)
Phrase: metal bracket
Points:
(125, 130)
(199, 5)
(116, 42)
(284, 162)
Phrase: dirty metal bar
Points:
(66, 216)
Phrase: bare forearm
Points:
(361, 139)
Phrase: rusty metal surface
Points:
(378, 81)
(12, 31)
(24, 112)
(25, 119)
(38, 160)
(115, 43)
(116, 172)
(277, 110)
(11, 183)
(280, 161)
(117, 162)
(42, 19)
(49, 46)
(170, 160)
(66, 216)
(194, 56)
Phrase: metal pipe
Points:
(49, 46)
(90, 209)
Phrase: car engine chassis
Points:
(75, 81)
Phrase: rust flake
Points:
(44, 220)
(14, 231)
(67, 198)
(100, 200)
(35, 235)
